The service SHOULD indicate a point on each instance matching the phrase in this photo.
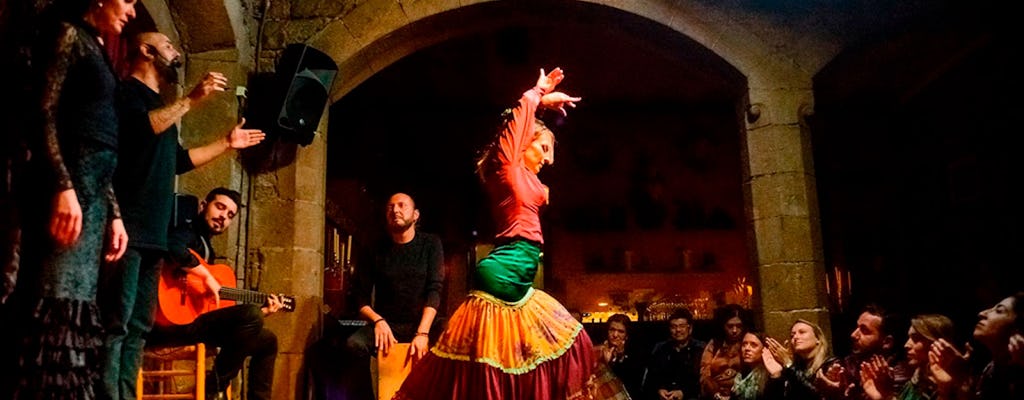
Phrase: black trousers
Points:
(239, 333)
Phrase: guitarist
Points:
(237, 330)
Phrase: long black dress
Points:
(76, 148)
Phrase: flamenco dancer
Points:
(508, 340)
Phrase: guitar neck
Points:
(243, 296)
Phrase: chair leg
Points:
(200, 371)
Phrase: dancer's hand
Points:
(558, 101)
(547, 82)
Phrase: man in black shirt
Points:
(149, 157)
(405, 285)
(674, 371)
(238, 329)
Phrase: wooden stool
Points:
(392, 370)
(159, 369)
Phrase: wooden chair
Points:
(164, 373)
(392, 370)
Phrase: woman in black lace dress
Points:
(70, 209)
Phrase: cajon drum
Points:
(392, 370)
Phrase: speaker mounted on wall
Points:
(293, 103)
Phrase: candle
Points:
(348, 250)
(335, 251)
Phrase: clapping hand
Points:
(780, 352)
(1016, 348)
(771, 364)
(876, 378)
(946, 364)
(833, 378)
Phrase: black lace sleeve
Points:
(115, 209)
(56, 71)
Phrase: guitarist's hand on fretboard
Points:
(274, 304)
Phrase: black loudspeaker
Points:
(302, 84)
(186, 207)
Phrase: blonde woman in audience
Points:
(876, 373)
(806, 353)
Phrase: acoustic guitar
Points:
(182, 296)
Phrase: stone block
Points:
(301, 30)
(418, 9)
(336, 40)
(308, 222)
(792, 286)
(787, 239)
(781, 194)
(273, 224)
(322, 8)
(776, 148)
(374, 19)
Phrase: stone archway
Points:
(778, 178)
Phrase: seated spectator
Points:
(806, 353)
(756, 368)
(674, 368)
(619, 370)
(876, 373)
(876, 334)
(999, 331)
(721, 359)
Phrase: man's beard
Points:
(401, 224)
(168, 69)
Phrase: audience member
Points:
(619, 370)
(876, 374)
(874, 335)
(806, 353)
(721, 359)
(999, 330)
(674, 369)
(757, 367)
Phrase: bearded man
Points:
(398, 294)
(149, 157)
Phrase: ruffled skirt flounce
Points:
(493, 349)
